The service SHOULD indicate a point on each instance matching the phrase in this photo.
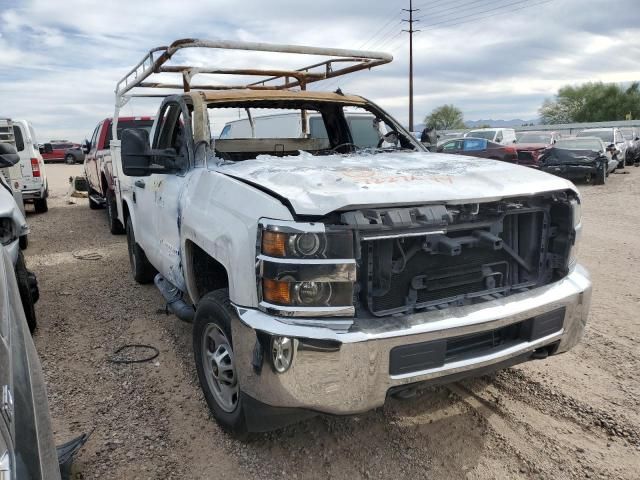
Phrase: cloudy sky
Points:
(60, 59)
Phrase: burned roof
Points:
(223, 96)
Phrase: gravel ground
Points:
(576, 415)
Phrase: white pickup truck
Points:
(321, 276)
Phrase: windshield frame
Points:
(368, 106)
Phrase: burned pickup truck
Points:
(326, 270)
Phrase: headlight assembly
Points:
(305, 270)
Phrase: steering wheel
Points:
(353, 146)
(388, 136)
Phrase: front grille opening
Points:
(472, 262)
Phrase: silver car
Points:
(27, 448)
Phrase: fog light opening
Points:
(282, 353)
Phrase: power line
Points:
(386, 24)
(459, 6)
(430, 26)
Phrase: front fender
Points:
(220, 215)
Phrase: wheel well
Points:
(207, 273)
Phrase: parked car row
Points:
(591, 155)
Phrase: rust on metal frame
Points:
(276, 79)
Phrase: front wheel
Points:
(215, 361)
(142, 270)
(69, 159)
(93, 205)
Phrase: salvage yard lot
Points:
(572, 416)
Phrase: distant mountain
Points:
(516, 122)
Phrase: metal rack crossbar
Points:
(342, 61)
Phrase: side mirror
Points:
(40, 148)
(86, 146)
(138, 160)
(48, 148)
(8, 155)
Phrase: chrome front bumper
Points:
(346, 372)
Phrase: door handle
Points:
(139, 183)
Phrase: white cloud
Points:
(60, 59)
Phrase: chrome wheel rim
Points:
(219, 368)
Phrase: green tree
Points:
(592, 102)
(445, 117)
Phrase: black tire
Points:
(600, 177)
(69, 159)
(92, 204)
(115, 227)
(40, 205)
(142, 271)
(620, 162)
(215, 310)
(27, 286)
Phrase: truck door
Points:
(90, 168)
(173, 133)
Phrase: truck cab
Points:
(322, 276)
(98, 165)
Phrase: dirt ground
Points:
(576, 415)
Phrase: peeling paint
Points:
(317, 185)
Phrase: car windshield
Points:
(487, 134)
(627, 133)
(535, 138)
(580, 144)
(605, 135)
(316, 128)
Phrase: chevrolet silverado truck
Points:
(98, 166)
(321, 276)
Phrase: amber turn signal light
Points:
(274, 244)
(276, 292)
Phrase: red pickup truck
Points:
(98, 167)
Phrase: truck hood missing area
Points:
(318, 185)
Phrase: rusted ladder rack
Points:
(341, 62)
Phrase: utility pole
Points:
(411, 31)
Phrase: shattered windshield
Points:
(289, 128)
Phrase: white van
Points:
(497, 135)
(27, 176)
(365, 131)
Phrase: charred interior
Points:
(437, 256)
